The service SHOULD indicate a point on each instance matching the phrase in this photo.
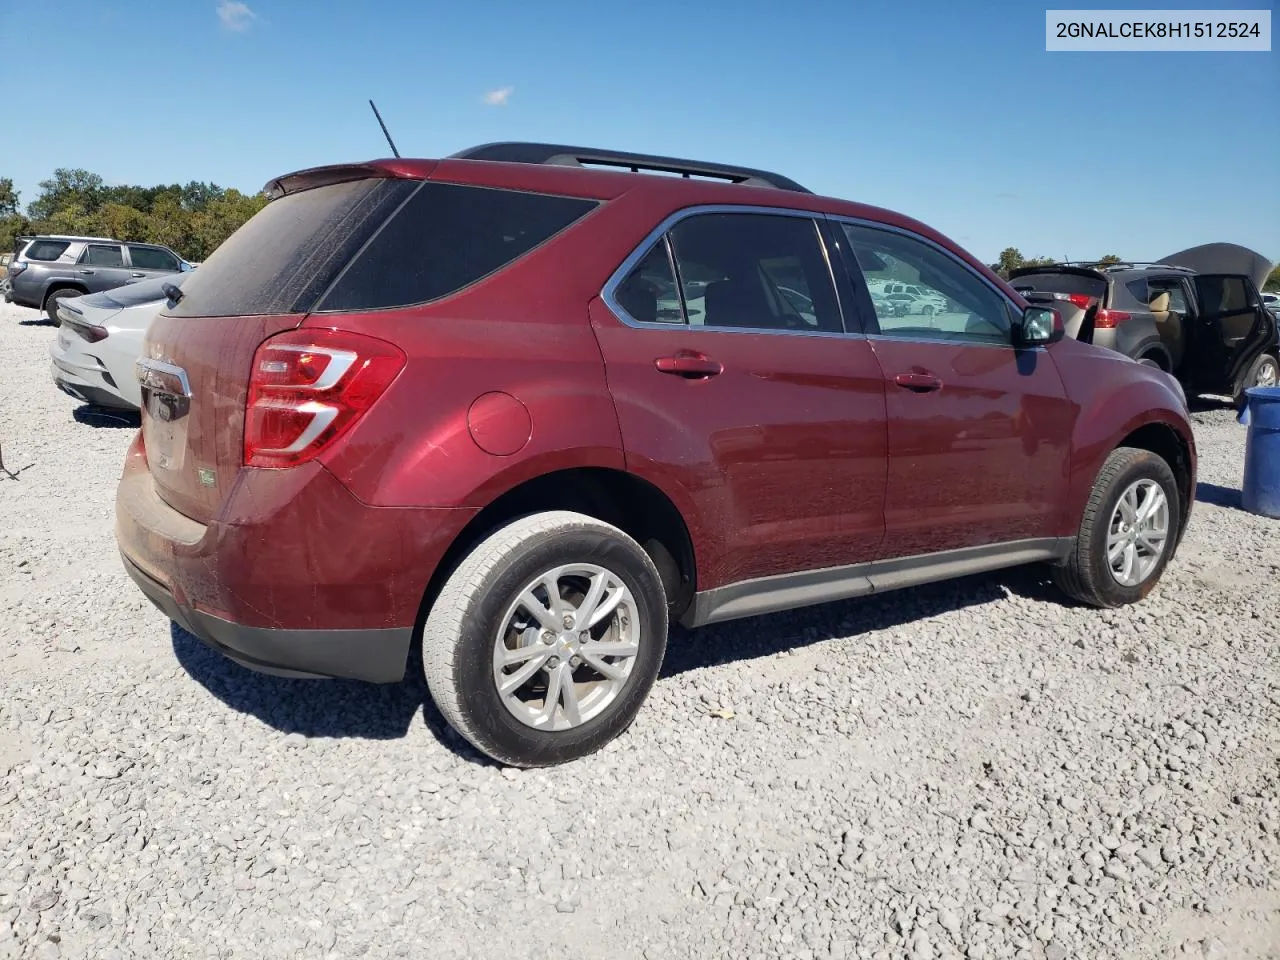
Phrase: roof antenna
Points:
(384, 130)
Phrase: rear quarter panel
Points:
(522, 334)
(1113, 397)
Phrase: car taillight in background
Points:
(309, 386)
(1107, 319)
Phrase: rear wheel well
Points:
(635, 506)
(1165, 442)
(63, 285)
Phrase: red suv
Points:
(531, 410)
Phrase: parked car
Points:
(99, 343)
(924, 293)
(905, 304)
(443, 399)
(1196, 314)
(46, 269)
(1272, 302)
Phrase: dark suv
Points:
(530, 411)
(46, 269)
(1196, 314)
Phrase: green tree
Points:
(193, 219)
(67, 188)
(8, 198)
(1272, 283)
(1107, 259)
(1010, 260)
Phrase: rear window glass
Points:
(1060, 283)
(288, 254)
(446, 237)
(46, 249)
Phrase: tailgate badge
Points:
(207, 477)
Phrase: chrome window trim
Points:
(607, 293)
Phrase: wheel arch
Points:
(55, 285)
(1166, 442)
(634, 505)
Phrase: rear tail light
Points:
(16, 267)
(86, 331)
(308, 387)
(1107, 319)
(1081, 300)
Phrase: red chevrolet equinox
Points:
(530, 403)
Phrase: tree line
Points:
(192, 219)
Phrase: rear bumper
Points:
(374, 655)
(293, 576)
(83, 377)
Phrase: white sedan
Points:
(100, 340)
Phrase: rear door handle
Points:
(86, 271)
(137, 274)
(918, 382)
(691, 366)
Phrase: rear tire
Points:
(483, 631)
(1089, 574)
(51, 303)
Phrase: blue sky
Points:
(947, 112)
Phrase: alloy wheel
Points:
(566, 647)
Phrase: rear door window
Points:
(448, 236)
(103, 255)
(46, 250)
(758, 271)
(152, 258)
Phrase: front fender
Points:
(1115, 397)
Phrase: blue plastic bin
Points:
(1261, 492)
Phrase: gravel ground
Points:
(971, 770)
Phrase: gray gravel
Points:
(970, 770)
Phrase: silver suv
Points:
(46, 269)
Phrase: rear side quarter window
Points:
(447, 237)
(45, 250)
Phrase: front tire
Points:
(545, 641)
(1128, 533)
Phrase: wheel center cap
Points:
(568, 643)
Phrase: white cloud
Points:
(499, 97)
(235, 15)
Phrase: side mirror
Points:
(183, 266)
(1038, 326)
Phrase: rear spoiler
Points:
(314, 177)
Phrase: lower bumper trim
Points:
(375, 655)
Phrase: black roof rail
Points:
(561, 155)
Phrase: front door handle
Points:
(137, 274)
(86, 271)
(918, 382)
(691, 366)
